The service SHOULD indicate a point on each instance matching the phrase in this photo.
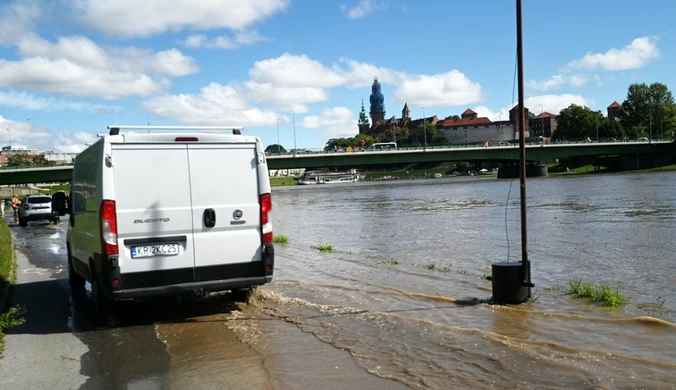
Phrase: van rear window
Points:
(39, 199)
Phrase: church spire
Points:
(363, 118)
(377, 102)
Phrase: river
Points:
(420, 326)
(402, 302)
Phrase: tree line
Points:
(648, 111)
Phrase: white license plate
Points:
(154, 250)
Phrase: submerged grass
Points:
(606, 294)
(280, 239)
(324, 248)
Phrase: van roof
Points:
(178, 137)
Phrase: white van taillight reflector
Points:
(109, 227)
(266, 225)
(186, 139)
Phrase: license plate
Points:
(154, 250)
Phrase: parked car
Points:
(151, 215)
(36, 208)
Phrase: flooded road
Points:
(402, 300)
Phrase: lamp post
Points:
(10, 139)
(424, 126)
(279, 147)
(294, 131)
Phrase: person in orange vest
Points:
(16, 203)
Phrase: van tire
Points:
(23, 222)
(243, 295)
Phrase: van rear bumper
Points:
(176, 289)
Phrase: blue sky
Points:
(69, 68)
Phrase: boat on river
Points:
(309, 178)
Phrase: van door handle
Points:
(209, 218)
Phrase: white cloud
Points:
(65, 77)
(223, 42)
(71, 142)
(335, 122)
(26, 101)
(271, 93)
(557, 81)
(363, 8)
(21, 132)
(132, 18)
(300, 71)
(449, 89)
(82, 51)
(79, 67)
(290, 70)
(633, 56)
(17, 19)
(215, 105)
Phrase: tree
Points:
(578, 122)
(26, 159)
(274, 148)
(650, 107)
(454, 117)
(433, 137)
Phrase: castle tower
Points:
(405, 113)
(377, 103)
(363, 120)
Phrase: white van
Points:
(156, 214)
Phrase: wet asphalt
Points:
(61, 347)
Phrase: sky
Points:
(70, 68)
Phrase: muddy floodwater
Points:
(402, 301)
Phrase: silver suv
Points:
(36, 208)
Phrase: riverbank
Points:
(7, 277)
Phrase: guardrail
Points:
(460, 146)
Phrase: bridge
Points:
(319, 159)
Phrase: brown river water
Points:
(402, 302)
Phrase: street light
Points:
(278, 146)
(425, 127)
(294, 132)
(10, 138)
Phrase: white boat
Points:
(328, 178)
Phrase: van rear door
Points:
(226, 209)
(154, 216)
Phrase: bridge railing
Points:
(30, 166)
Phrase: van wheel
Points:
(243, 295)
(23, 222)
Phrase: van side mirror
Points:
(61, 204)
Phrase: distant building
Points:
(379, 125)
(543, 125)
(614, 110)
(377, 103)
(56, 157)
(514, 118)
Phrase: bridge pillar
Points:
(512, 170)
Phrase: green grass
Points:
(324, 248)
(283, 181)
(7, 276)
(280, 239)
(606, 294)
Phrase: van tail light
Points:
(266, 224)
(109, 228)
